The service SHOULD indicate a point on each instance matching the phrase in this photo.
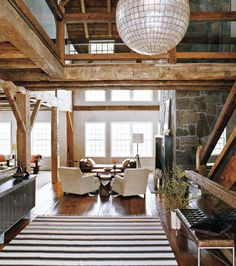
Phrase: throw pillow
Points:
(91, 162)
(2, 158)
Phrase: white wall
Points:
(43, 116)
(80, 118)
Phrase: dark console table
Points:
(17, 198)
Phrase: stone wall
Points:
(196, 115)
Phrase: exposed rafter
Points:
(85, 23)
(23, 37)
(105, 17)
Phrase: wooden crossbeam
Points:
(16, 63)
(35, 113)
(131, 72)
(113, 57)
(219, 191)
(220, 159)
(220, 125)
(117, 108)
(100, 17)
(28, 36)
(172, 56)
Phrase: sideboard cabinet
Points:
(16, 200)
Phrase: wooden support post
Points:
(61, 38)
(23, 136)
(70, 137)
(54, 144)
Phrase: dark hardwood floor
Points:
(50, 200)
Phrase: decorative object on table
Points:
(175, 191)
(114, 162)
(152, 27)
(136, 139)
(158, 178)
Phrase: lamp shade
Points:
(152, 27)
(137, 138)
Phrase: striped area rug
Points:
(93, 241)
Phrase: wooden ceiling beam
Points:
(55, 8)
(114, 56)
(23, 37)
(101, 17)
(134, 56)
(16, 63)
(131, 72)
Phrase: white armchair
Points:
(73, 181)
(134, 182)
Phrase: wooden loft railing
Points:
(220, 125)
(222, 190)
(226, 150)
(228, 196)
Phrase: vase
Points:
(175, 222)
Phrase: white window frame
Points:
(102, 47)
(124, 99)
(103, 153)
(220, 144)
(88, 98)
(131, 145)
(131, 96)
(45, 152)
(6, 139)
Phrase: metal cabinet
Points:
(16, 200)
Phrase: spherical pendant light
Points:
(152, 27)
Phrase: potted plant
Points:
(175, 191)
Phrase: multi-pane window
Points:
(95, 95)
(120, 95)
(41, 139)
(145, 148)
(142, 95)
(220, 144)
(101, 47)
(132, 95)
(5, 138)
(121, 139)
(95, 138)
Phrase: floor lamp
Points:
(136, 139)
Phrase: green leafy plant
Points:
(175, 189)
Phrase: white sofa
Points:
(134, 182)
(73, 181)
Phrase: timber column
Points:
(23, 134)
(54, 144)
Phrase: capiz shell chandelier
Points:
(152, 27)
